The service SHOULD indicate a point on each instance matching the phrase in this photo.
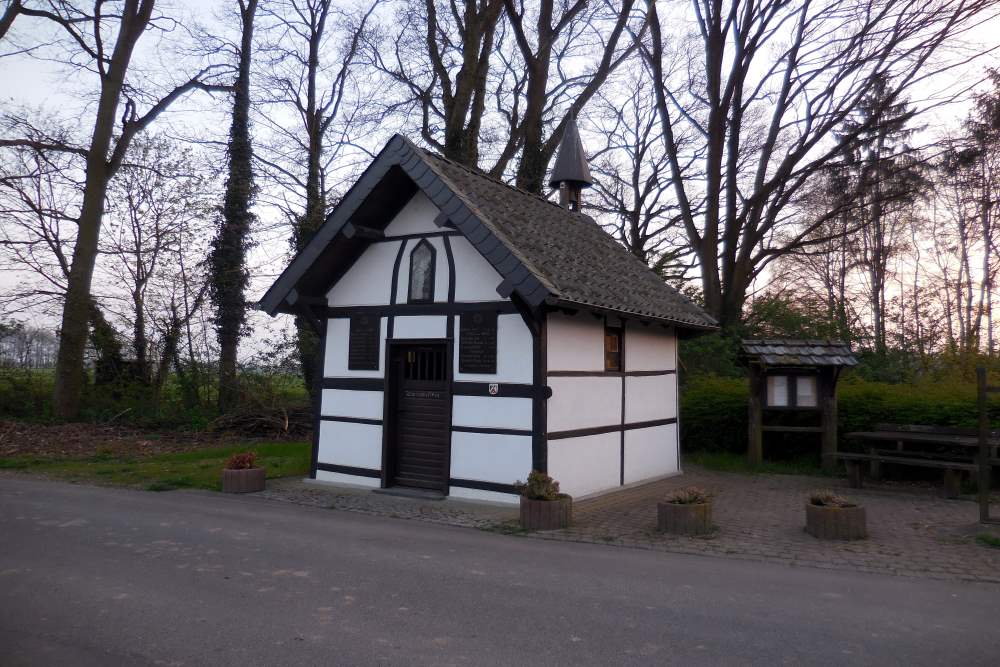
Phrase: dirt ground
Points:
(82, 440)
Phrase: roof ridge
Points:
(476, 171)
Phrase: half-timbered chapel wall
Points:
(609, 428)
(491, 443)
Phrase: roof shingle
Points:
(567, 251)
(545, 253)
(778, 352)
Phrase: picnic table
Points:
(953, 450)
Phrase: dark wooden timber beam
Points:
(352, 230)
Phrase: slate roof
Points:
(776, 352)
(546, 253)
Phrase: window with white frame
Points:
(777, 391)
(791, 391)
(805, 391)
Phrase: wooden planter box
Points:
(689, 519)
(836, 523)
(248, 480)
(546, 514)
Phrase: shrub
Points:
(714, 414)
(714, 411)
(242, 461)
(689, 495)
(829, 499)
(539, 487)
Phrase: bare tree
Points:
(558, 37)
(103, 44)
(440, 61)
(632, 188)
(766, 86)
(310, 110)
(157, 207)
(10, 13)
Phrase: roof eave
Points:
(693, 328)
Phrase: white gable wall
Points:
(369, 280)
(479, 279)
(499, 458)
(417, 217)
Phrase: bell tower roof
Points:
(571, 162)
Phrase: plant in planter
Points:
(242, 475)
(686, 511)
(832, 517)
(543, 507)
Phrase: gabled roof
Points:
(545, 253)
(775, 352)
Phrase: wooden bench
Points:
(954, 451)
(952, 469)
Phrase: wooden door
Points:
(421, 421)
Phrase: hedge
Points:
(714, 409)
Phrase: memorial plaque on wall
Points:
(363, 345)
(477, 343)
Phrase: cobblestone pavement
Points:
(912, 532)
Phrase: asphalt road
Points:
(93, 576)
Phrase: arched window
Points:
(422, 273)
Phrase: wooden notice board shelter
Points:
(794, 375)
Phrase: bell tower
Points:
(571, 173)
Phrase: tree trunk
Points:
(69, 375)
(229, 272)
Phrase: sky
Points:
(38, 84)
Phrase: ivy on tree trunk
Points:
(229, 248)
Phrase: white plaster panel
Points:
(349, 444)
(483, 496)
(475, 278)
(351, 403)
(583, 402)
(440, 271)
(650, 348)
(490, 457)
(514, 354)
(650, 453)
(574, 342)
(649, 397)
(338, 333)
(347, 480)
(420, 326)
(369, 280)
(492, 411)
(417, 217)
(586, 465)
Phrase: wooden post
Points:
(984, 450)
(827, 391)
(755, 434)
